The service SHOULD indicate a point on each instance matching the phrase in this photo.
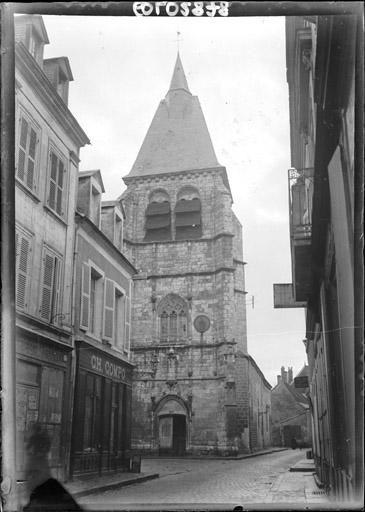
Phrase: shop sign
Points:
(104, 366)
(33, 348)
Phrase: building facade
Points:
(188, 314)
(48, 141)
(290, 410)
(102, 296)
(325, 184)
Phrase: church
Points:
(196, 389)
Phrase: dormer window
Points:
(89, 195)
(62, 85)
(95, 205)
(30, 30)
(59, 73)
(34, 45)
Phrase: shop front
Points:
(102, 411)
(42, 399)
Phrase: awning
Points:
(185, 205)
(188, 219)
(157, 221)
(158, 208)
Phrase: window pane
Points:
(173, 325)
(32, 143)
(53, 167)
(61, 169)
(59, 202)
(23, 134)
(164, 326)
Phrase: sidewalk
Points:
(296, 488)
(88, 485)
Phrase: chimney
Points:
(279, 378)
(284, 374)
(290, 375)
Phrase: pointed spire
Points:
(178, 138)
(178, 80)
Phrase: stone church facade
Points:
(188, 339)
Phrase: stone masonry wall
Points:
(208, 274)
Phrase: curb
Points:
(248, 456)
(319, 483)
(302, 469)
(207, 457)
(116, 485)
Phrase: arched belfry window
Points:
(158, 217)
(172, 313)
(188, 223)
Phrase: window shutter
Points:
(22, 250)
(61, 169)
(31, 158)
(52, 181)
(22, 148)
(57, 289)
(85, 296)
(127, 324)
(109, 308)
(47, 285)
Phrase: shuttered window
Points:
(85, 296)
(119, 319)
(188, 219)
(23, 254)
(56, 187)
(27, 152)
(51, 284)
(109, 297)
(127, 323)
(158, 221)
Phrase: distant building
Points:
(48, 140)
(193, 374)
(102, 295)
(290, 410)
(324, 70)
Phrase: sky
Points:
(122, 67)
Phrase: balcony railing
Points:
(300, 187)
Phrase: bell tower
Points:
(188, 313)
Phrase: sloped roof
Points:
(304, 372)
(97, 175)
(178, 138)
(178, 80)
(64, 64)
(299, 397)
(37, 21)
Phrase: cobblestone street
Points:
(209, 482)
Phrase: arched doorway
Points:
(172, 428)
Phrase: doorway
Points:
(172, 435)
